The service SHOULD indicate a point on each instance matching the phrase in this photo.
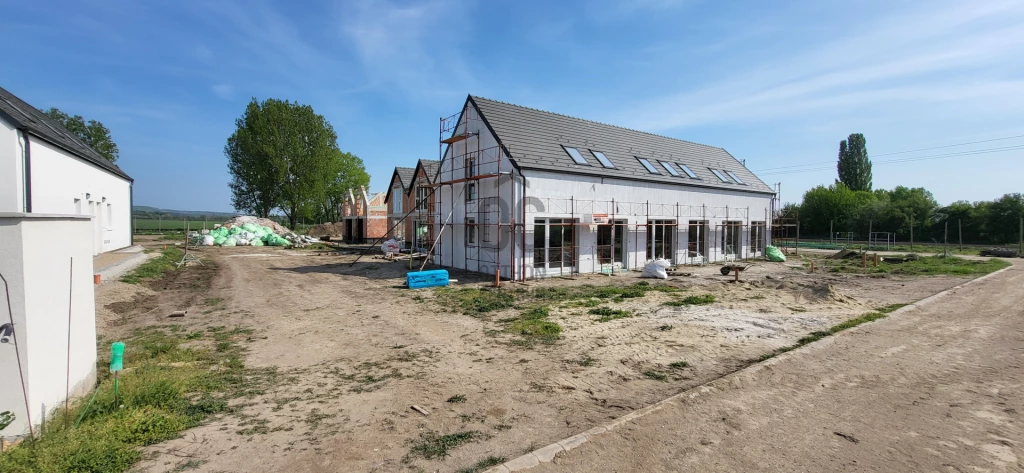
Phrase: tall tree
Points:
(282, 155)
(854, 166)
(92, 132)
(351, 175)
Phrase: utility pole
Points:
(1021, 250)
(797, 249)
(911, 233)
(945, 240)
(960, 232)
(830, 234)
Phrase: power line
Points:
(903, 160)
(891, 154)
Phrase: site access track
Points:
(934, 388)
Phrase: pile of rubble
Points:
(249, 231)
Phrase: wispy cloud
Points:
(224, 91)
(412, 48)
(933, 55)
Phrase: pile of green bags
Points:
(247, 234)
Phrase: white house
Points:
(530, 193)
(45, 169)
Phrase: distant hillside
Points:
(143, 211)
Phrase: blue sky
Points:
(776, 83)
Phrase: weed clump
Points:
(656, 375)
(703, 299)
(607, 314)
(457, 399)
(430, 445)
(155, 267)
(483, 464)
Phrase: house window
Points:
(697, 238)
(668, 167)
(554, 241)
(470, 232)
(687, 171)
(602, 159)
(470, 164)
(647, 164)
(396, 199)
(576, 156)
(110, 216)
(719, 175)
(732, 237)
(757, 238)
(734, 177)
(422, 193)
(470, 191)
(488, 232)
(660, 239)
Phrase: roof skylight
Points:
(575, 155)
(734, 177)
(647, 164)
(671, 169)
(687, 171)
(719, 175)
(602, 158)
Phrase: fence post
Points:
(797, 248)
(911, 233)
(160, 224)
(945, 240)
(871, 224)
(830, 234)
(1020, 251)
(960, 233)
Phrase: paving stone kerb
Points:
(548, 453)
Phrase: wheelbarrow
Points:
(733, 268)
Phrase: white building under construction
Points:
(534, 194)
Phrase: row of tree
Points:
(284, 156)
(850, 205)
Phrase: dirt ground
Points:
(355, 351)
(936, 388)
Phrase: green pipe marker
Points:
(116, 357)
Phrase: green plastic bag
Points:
(230, 242)
(219, 240)
(235, 230)
(774, 255)
(249, 227)
(256, 242)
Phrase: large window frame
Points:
(554, 245)
(661, 238)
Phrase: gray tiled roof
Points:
(405, 177)
(535, 140)
(430, 167)
(29, 118)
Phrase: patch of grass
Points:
(678, 365)
(845, 325)
(457, 399)
(213, 301)
(924, 266)
(430, 445)
(168, 386)
(502, 427)
(585, 360)
(607, 314)
(655, 375)
(797, 308)
(474, 301)
(665, 328)
(703, 299)
(483, 465)
(155, 267)
(536, 329)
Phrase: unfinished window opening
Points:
(576, 156)
(757, 238)
(689, 173)
(421, 197)
(732, 237)
(697, 240)
(610, 244)
(470, 191)
(602, 159)
(660, 239)
(554, 245)
(647, 164)
(470, 165)
(396, 199)
(110, 216)
(734, 177)
(487, 219)
(719, 175)
(470, 232)
(421, 236)
(671, 169)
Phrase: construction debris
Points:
(420, 410)
(327, 231)
(250, 231)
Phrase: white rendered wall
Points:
(11, 162)
(59, 178)
(36, 259)
(636, 202)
